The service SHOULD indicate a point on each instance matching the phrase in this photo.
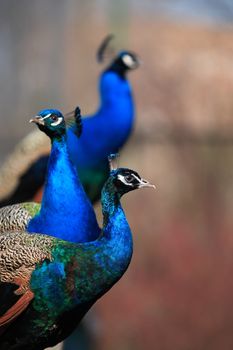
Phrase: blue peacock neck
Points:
(96, 265)
(108, 129)
(116, 231)
(112, 251)
(65, 212)
(114, 90)
(117, 109)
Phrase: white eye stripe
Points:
(122, 179)
(128, 60)
(47, 116)
(57, 122)
(137, 178)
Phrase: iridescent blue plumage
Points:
(104, 132)
(107, 130)
(65, 210)
(59, 280)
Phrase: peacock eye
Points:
(129, 178)
(54, 117)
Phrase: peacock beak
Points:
(138, 63)
(37, 120)
(145, 183)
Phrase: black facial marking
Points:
(126, 179)
(118, 65)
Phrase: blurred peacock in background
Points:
(47, 284)
(105, 132)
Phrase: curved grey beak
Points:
(139, 62)
(37, 120)
(145, 183)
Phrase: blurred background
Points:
(177, 293)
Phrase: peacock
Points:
(65, 211)
(104, 132)
(48, 284)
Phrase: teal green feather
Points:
(65, 278)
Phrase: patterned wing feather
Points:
(17, 308)
(16, 217)
(19, 254)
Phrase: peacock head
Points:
(124, 62)
(128, 60)
(121, 62)
(51, 122)
(126, 180)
